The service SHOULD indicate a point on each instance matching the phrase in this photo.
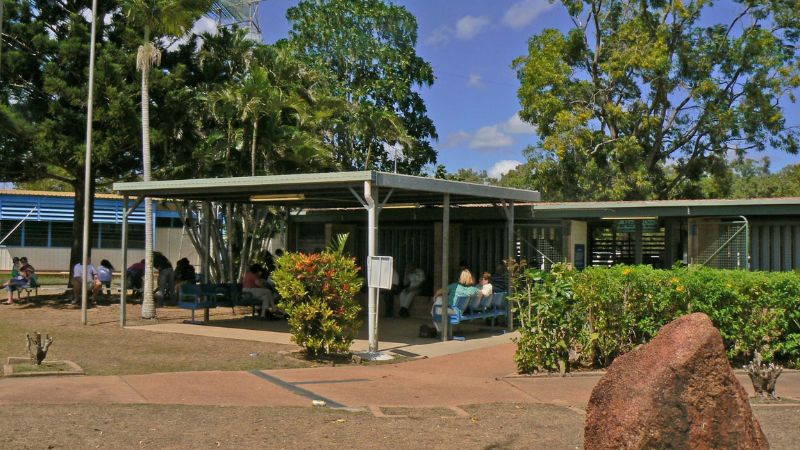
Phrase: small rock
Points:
(356, 359)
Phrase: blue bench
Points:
(31, 285)
(191, 296)
(474, 308)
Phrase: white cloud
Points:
(468, 27)
(502, 167)
(475, 80)
(440, 36)
(489, 138)
(456, 138)
(515, 125)
(524, 12)
(203, 25)
(465, 29)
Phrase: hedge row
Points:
(572, 319)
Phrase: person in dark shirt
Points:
(499, 278)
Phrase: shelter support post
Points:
(510, 252)
(207, 250)
(445, 307)
(371, 201)
(123, 289)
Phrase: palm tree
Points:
(172, 18)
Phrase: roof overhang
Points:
(669, 208)
(327, 190)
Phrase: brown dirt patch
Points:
(104, 348)
(200, 427)
(150, 426)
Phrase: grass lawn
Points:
(103, 348)
(45, 279)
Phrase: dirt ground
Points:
(177, 427)
(125, 351)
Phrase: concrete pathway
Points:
(471, 377)
(400, 337)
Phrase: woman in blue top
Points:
(464, 288)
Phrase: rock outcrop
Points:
(677, 391)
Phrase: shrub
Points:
(625, 306)
(318, 293)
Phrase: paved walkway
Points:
(472, 377)
(397, 336)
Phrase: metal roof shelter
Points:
(368, 189)
(669, 208)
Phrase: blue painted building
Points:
(38, 225)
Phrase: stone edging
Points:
(8, 368)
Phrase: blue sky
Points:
(473, 103)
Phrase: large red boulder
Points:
(677, 391)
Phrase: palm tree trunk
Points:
(253, 148)
(148, 305)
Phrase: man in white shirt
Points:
(412, 281)
(93, 281)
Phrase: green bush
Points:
(319, 293)
(542, 302)
(621, 307)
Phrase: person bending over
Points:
(93, 283)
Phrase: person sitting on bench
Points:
(412, 284)
(105, 273)
(485, 285)
(465, 287)
(255, 285)
(23, 277)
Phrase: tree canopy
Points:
(366, 48)
(641, 100)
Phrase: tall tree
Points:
(43, 97)
(367, 49)
(158, 18)
(642, 99)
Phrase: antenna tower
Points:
(247, 17)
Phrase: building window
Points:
(36, 234)
(61, 234)
(15, 239)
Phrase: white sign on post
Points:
(379, 272)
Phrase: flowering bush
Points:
(621, 307)
(318, 293)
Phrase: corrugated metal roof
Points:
(665, 203)
(325, 190)
(53, 194)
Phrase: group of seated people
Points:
(257, 281)
(22, 274)
(466, 287)
(96, 278)
(169, 280)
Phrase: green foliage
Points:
(366, 49)
(749, 178)
(613, 310)
(543, 304)
(318, 293)
(641, 100)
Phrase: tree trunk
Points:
(148, 305)
(76, 249)
(253, 148)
